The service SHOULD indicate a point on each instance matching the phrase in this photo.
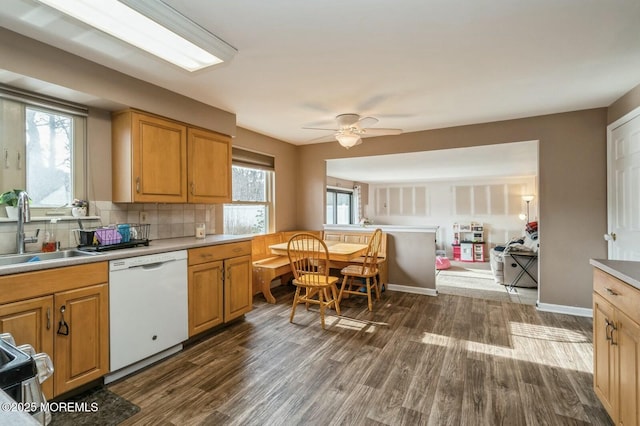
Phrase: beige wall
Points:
(31, 58)
(626, 103)
(572, 187)
(99, 155)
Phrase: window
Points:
(251, 210)
(339, 207)
(49, 151)
(43, 146)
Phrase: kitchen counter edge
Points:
(155, 246)
(625, 270)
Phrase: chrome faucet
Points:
(24, 216)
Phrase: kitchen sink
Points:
(17, 259)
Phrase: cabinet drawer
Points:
(623, 296)
(39, 283)
(219, 252)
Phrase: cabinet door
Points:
(159, 149)
(205, 296)
(82, 355)
(466, 252)
(30, 322)
(627, 340)
(237, 287)
(604, 355)
(209, 167)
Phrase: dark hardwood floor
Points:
(416, 360)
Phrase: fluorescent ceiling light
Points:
(152, 26)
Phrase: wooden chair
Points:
(367, 270)
(309, 259)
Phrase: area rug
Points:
(102, 407)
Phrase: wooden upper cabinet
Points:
(149, 159)
(157, 160)
(209, 167)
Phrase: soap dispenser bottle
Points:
(49, 242)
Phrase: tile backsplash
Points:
(166, 221)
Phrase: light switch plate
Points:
(143, 217)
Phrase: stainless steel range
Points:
(21, 373)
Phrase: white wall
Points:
(496, 203)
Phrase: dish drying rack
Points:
(113, 237)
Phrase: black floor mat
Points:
(97, 406)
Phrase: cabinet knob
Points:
(610, 237)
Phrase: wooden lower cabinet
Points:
(31, 310)
(205, 296)
(238, 298)
(82, 354)
(627, 339)
(31, 322)
(603, 354)
(616, 339)
(220, 284)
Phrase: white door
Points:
(623, 188)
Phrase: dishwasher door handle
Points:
(152, 266)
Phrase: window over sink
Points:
(251, 210)
(43, 148)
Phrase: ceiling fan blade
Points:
(325, 138)
(319, 128)
(367, 122)
(379, 132)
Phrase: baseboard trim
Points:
(130, 369)
(414, 290)
(563, 309)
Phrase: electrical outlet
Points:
(143, 217)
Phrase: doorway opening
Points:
(483, 184)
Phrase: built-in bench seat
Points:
(267, 266)
(360, 238)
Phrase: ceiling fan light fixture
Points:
(153, 27)
(348, 139)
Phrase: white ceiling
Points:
(413, 64)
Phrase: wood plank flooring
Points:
(416, 360)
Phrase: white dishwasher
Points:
(148, 318)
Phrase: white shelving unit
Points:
(468, 242)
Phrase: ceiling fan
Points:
(351, 129)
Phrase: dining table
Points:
(338, 251)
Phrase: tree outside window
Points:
(251, 206)
(49, 157)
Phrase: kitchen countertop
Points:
(625, 270)
(13, 417)
(155, 246)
